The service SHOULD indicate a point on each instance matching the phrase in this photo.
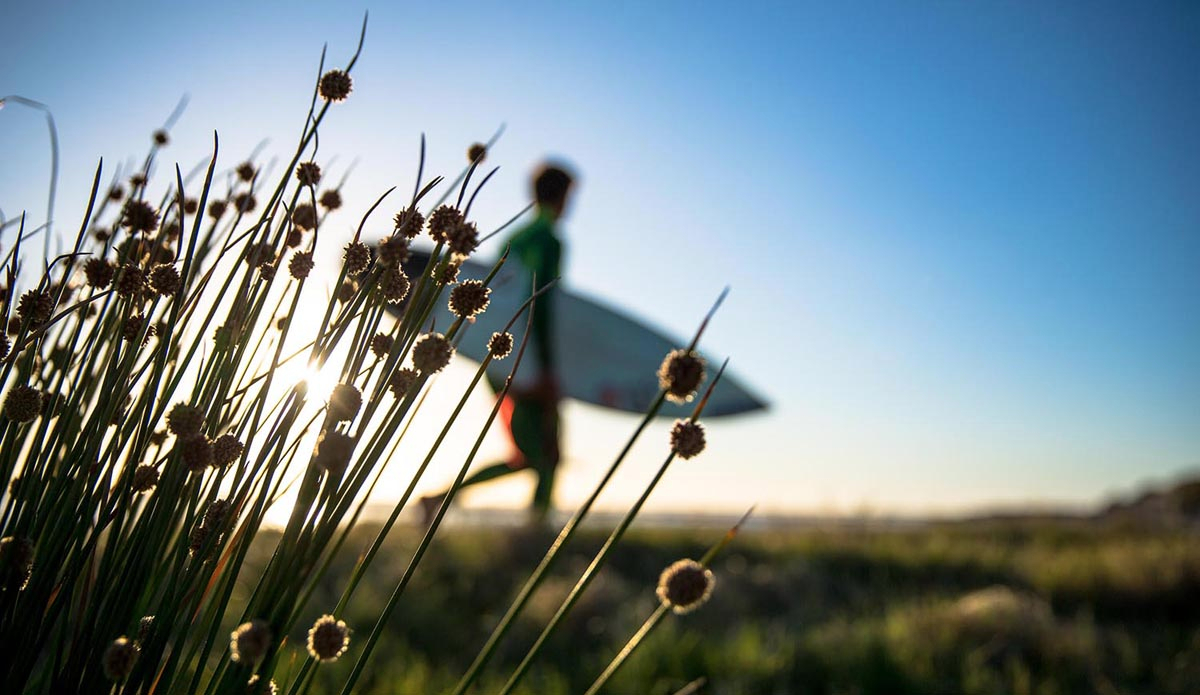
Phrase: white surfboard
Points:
(606, 357)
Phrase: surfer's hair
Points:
(551, 184)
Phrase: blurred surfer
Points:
(530, 411)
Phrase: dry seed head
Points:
(161, 138)
(226, 449)
(23, 403)
(477, 152)
(685, 585)
(442, 220)
(681, 373)
(196, 452)
(293, 239)
(139, 216)
(463, 238)
(102, 234)
(409, 222)
(304, 216)
(357, 257)
(331, 199)
(164, 280)
(245, 171)
(216, 209)
(308, 173)
(116, 193)
(687, 438)
(394, 284)
(335, 85)
(138, 180)
(328, 639)
(14, 325)
(344, 402)
(301, 265)
(449, 274)
(500, 345)
(197, 537)
(191, 205)
(245, 202)
(333, 451)
(145, 478)
(402, 381)
(382, 344)
(185, 420)
(392, 250)
(170, 230)
(16, 563)
(99, 272)
(131, 281)
(432, 353)
(267, 271)
(469, 299)
(259, 253)
(119, 659)
(346, 292)
(216, 514)
(35, 307)
(132, 329)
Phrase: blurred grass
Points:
(1041, 607)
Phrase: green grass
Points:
(977, 608)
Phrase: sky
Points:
(962, 239)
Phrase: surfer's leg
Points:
(546, 462)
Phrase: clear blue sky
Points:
(963, 239)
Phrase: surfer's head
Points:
(551, 185)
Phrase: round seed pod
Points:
(331, 199)
(250, 642)
(687, 438)
(301, 265)
(328, 639)
(394, 284)
(402, 381)
(226, 449)
(432, 353)
(681, 373)
(16, 563)
(139, 217)
(357, 257)
(685, 585)
(119, 659)
(145, 478)
(469, 299)
(23, 403)
(442, 220)
(308, 173)
(99, 272)
(185, 420)
(335, 86)
(344, 402)
(500, 345)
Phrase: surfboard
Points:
(606, 356)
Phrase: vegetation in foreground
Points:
(977, 608)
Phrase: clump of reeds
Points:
(151, 418)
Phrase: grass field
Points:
(976, 607)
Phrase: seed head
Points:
(357, 257)
(449, 274)
(432, 353)
(16, 563)
(250, 641)
(131, 281)
(244, 202)
(161, 138)
(5, 346)
(333, 451)
(393, 250)
(328, 639)
(402, 381)
(23, 403)
(346, 291)
(308, 173)
(217, 515)
(245, 171)
(381, 345)
(304, 216)
(252, 685)
(301, 265)
(170, 230)
(116, 193)
(119, 659)
(293, 239)
(344, 402)
(99, 272)
(394, 284)
(138, 180)
(681, 373)
(102, 235)
(469, 299)
(331, 199)
(226, 449)
(500, 345)
(197, 537)
(442, 220)
(687, 438)
(409, 222)
(145, 478)
(216, 209)
(335, 85)
(463, 238)
(191, 205)
(477, 152)
(196, 452)
(685, 585)
(164, 279)
(132, 329)
(185, 420)
(267, 272)
(139, 216)
(35, 307)
(259, 253)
